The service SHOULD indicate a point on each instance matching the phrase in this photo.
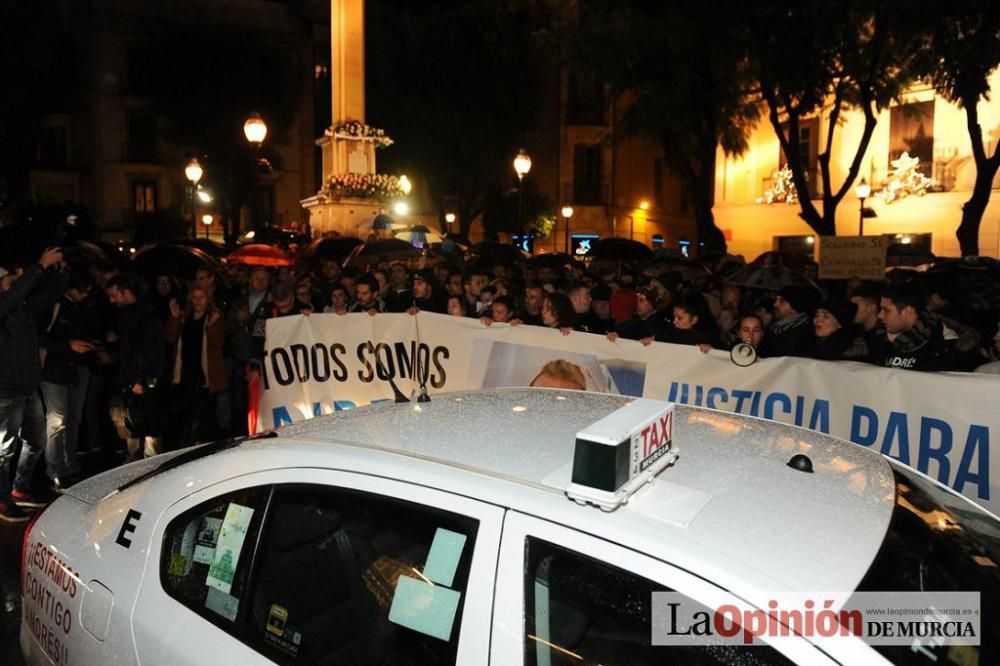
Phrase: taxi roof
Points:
(730, 493)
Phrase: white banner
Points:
(939, 423)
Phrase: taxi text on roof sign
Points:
(617, 455)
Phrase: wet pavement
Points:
(10, 593)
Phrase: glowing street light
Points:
(522, 165)
(401, 208)
(449, 218)
(405, 185)
(863, 191)
(193, 171)
(567, 212)
(255, 129)
(644, 205)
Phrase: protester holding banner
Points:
(791, 333)
(914, 340)
(834, 330)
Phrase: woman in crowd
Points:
(338, 300)
(693, 324)
(833, 330)
(557, 312)
(197, 335)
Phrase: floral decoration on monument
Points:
(359, 131)
(363, 186)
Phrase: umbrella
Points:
(620, 249)
(419, 236)
(688, 270)
(553, 260)
(974, 281)
(772, 277)
(384, 250)
(494, 250)
(337, 248)
(258, 254)
(206, 245)
(176, 260)
(902, 254)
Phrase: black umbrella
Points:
(206, 245)
(495, 250)
(176, 260)
(337, 249)
(773, 278)
(383, 222)
(553, 260)
(385, 250)
(620, 249)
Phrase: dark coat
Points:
(788, 338)
(923, 347)
(73, 321)
(141, 345)
(31, 294)
(213, 360)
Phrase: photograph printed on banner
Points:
(510, 364)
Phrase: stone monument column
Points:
(344, 153)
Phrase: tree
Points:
(679, 72)
(205, 81)
(818, 57)
(36, 75)
(964, 50)
(454, 83)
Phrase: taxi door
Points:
(565, 597)
(308, 565)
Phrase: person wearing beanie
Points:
(791, 333)
(834, 330)
(599, 319)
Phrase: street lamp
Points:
(255, 130)
(522, 165)
(567, 212)
(193, 172)
(207, 220)
(449, 218)
(863, 190)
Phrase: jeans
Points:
(21, 421)
(63, 412)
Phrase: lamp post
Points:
(255, 130)
(567, 212)
(193, 172)
(863, 190)
(522, 165)
(207, 220)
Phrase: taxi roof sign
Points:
(617, 455)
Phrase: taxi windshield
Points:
(939, 542)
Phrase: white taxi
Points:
(498, 527)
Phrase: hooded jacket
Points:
(922, 347)
(29, 296)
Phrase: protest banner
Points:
(938, 423)
(843, 257)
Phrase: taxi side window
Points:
(346, 577)
(579, 610)
(207, 551)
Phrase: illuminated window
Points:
(911, 130)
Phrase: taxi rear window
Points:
(939, 542)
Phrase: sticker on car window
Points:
(178, 565)
(227, 550)
(425, 607)
(279, 633)
(443, 558)
(208, 537)
(221, 603)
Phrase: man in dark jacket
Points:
(68, 331)
(913, 339)
(21, 418)
(141, 348)
(792, 332)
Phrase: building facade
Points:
(922, 125)
(110, 154)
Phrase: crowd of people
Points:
(99, 366)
